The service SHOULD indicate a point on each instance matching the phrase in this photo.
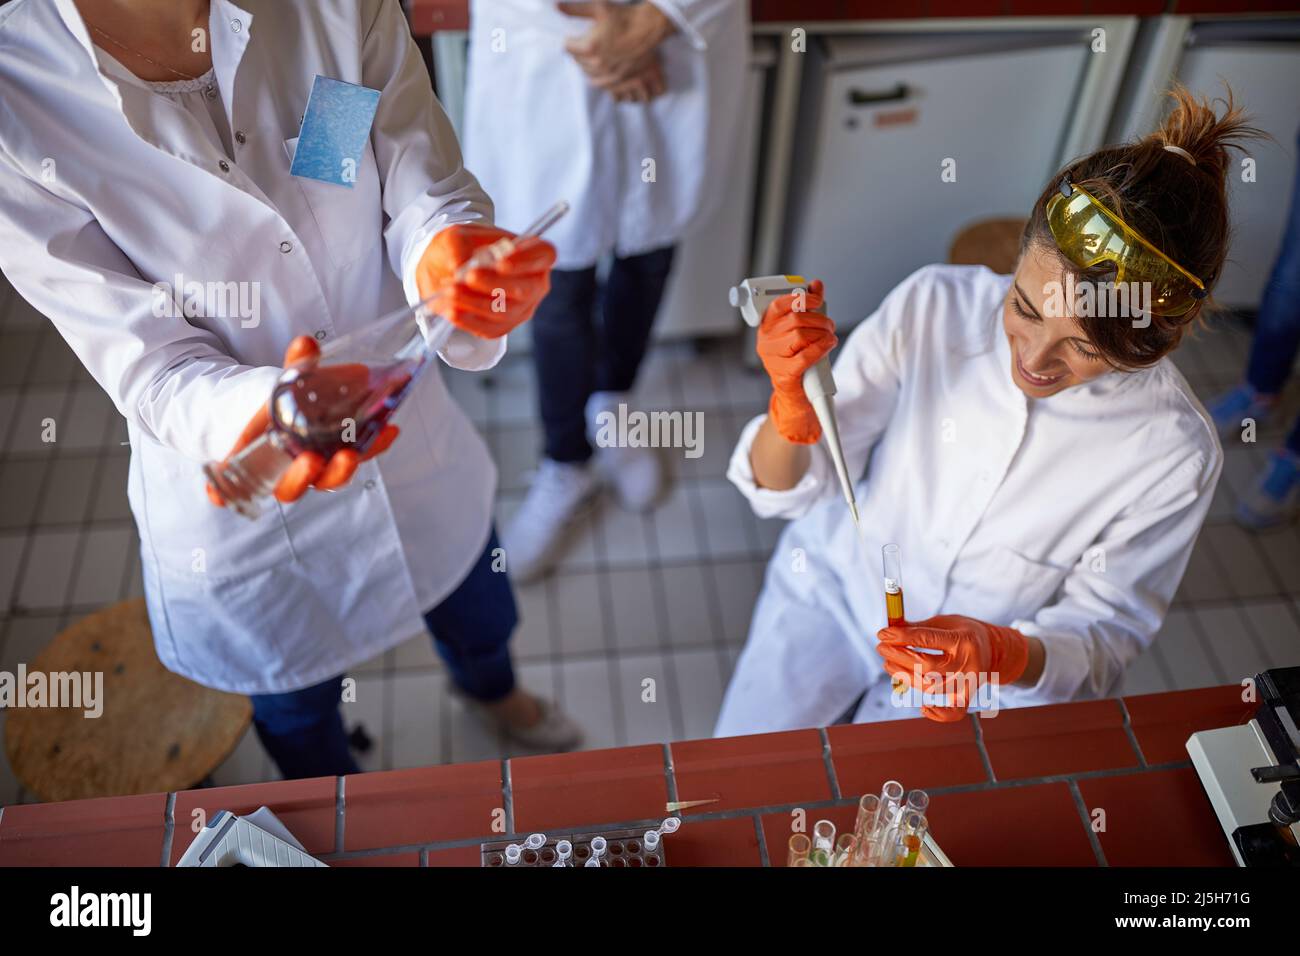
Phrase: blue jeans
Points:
(577, 355)
(1277, 327)
(303, 731)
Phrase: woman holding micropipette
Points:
(199, 193)
(1041, 464)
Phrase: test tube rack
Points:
(624, 848)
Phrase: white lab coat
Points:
(1070, 518)
(107, 188)
(536, 130)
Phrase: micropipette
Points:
(752, 296)
(440, 329)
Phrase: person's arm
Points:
(1108, 612)
(784, 479)
(170, 379)
(426, 187)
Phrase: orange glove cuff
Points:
(794, 419)
(1010, 654)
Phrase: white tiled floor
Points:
(662, 598)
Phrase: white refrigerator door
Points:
(872, 205)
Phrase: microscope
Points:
(1251, 774)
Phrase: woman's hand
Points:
(310, 469)
(792, 338)
(490, 301)
(972, 654)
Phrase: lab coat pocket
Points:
(1004, 586)
(349, 219)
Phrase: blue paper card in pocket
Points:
(334, 131)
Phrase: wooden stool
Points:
(989, 242)
(157, 731)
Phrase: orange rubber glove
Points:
(309, 469)
(490, 301)
(973, 652)
(790, 343)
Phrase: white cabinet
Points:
(882, 116)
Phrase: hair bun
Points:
(1195, 130)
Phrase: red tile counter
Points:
(1018, 788)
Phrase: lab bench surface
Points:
(1097, 782)
(431, 16)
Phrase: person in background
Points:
(130, 155)
(628, 111)
(1275, 497)
(1043, 466)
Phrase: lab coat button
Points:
(320, 335)
(240, 138)
(370, 485)
(236, 26)
(210, 92)
(225, 166)
(286, 247)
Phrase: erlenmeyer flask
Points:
(342, 399)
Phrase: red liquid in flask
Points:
(328, 408)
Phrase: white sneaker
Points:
(560, 493)
(635, 474)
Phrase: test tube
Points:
(846, 849)
(514, 853)
(823, 836)
(598, 847)
(918, 801)
(891, 798)
(563, 851)
(800, 846)
(868, 815)
(650, 840)
(819, 857)
(911, 835)
(535, 841)
(892, 559)
(670, 825)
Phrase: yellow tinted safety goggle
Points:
(1088, 233)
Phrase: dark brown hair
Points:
(1179, 206)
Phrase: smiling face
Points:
(1049, 353)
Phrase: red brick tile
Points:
(1157, 818)
(963, 8)
(1163, 722)
(1056, 739)
(589, 788)
(1036, 825)
(107, 831)
(918, 753)
(305, 807)
(714, 843)
(461, 856)
(881, 9)
(752, 771)
(404, 807)
(779, 827)
(1045, 8)
(796, 11)
(1139, 8)
(382, 859)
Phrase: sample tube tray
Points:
(625, 848)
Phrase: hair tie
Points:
(1181, 152)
